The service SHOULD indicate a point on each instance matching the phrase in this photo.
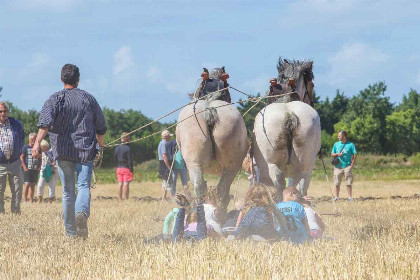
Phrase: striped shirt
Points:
(6, 139)
(73, 117)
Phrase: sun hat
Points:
(166, 133)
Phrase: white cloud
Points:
(122, 60)
(354, 61)
(154, 74)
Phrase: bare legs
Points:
(123, 188)
(28, 189)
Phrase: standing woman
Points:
(31, 167)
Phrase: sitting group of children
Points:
(261, 217)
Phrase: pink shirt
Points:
(191, 227)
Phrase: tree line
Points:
(372, 122)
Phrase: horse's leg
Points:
(223, 188)
(197, 179)
(277, 176)
(304, 183)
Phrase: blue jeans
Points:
(72, 204)
(178, 232)
(174, 176)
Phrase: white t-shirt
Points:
(211, 219)
(311, 215)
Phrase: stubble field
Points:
(372, 239)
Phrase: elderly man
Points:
(164, 164)
(346, 152)
(12, 138)
(76, 124)
(122, 156)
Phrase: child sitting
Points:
(211, 212)
(316, 225)
(296, 228)
(187, 233)
(256, 216)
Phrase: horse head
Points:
(297, 74)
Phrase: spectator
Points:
(49, 173)
(12, 138)
(122, 155)
(296, 229)
(31, 167)
(76, 124)
(316, 225)
(163, 161)
(256, 216)
(179, 167)
(346, 152)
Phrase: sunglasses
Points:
(3, 111)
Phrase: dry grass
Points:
(373, 240)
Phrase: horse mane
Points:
(286, 70)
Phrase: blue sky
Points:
(147, 55)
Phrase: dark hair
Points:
(343, 132)
(70, 74)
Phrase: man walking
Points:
(75, 123)
(12, 138)
(122, 156)
(346, 152)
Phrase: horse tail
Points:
(212, 118)
(291, 124)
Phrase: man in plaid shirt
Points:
(12, 138)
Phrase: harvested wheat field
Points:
(372, 239)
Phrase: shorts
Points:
(124, 174)
(338, 176)
(30, 176)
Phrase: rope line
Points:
(162, 117)
(202, 111)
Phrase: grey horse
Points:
(287, 134)
(212, 130)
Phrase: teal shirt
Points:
(169, 219)
(348, 151)
(179, 161)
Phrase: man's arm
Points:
(353, 159)
(42, 132)
(100, 139)
(165, 159)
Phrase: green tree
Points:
(249, 118)
(412, 101)
(370, 106)
(403, 131)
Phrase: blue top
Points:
(122, 155)
(18, 141)
(31, 163)
(170, 148)
(162, 149)
(348, 151)
(179, 161)
(73, 117)
(295, 216)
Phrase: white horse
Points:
(287, 134)
(217, 134)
